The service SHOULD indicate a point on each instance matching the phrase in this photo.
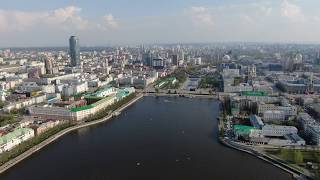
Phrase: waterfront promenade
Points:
(36, 148)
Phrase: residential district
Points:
(269, 93)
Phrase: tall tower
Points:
(182, 55)
(105, 66)
(175, 59)
(74, 51)
(147, 58)
(48, 65)
(252, 72)
(310, 84)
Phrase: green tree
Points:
(298, 157)
(285, 154)
(1, 104)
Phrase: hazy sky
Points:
(110, 22)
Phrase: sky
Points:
(119, 22)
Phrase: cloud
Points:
(110, 21)
(292, 11)
(66, 19)
(201, 16)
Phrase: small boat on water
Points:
(116, 113)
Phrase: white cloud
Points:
(292, 11)
(110, 21)
(202, 16)
(67, 18)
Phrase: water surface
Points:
(156, 138)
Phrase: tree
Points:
(298, 157)
(1, 104)
(285, 154)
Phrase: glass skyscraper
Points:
(74, 51)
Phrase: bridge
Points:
(190, 94)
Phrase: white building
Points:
(278, 131)
(288, 110)
(48, 89)
(240, 88)
(274, 116)
(29, 87)
(24, 103)
(69, 90)
(12, 139)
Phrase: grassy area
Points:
(193, 70)
(1, 104)
(180, 74)
(299, 158)
(10, 118)
(209, 82)
(24, 146)
(7, 119)
(47, 75)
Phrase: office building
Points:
(74, 51)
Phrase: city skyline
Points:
(124, 22)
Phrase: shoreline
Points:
(295, 173)
(53, 138)
(31, 151)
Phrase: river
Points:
(156, 138)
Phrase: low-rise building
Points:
(278, 131)
(12, 139)
(24, 103)
(274, 116)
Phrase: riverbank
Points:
(51, 139)
(294, 172)
(36, 148)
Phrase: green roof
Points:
(11, 135)
(103, 100)
(166, 81)
(253, 93)
(243, 129)
(76, 109)
(122, 93)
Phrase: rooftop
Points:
(253, 93)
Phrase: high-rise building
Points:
(147, 58)
(74, 51)
(182, 55)
(105, 66)
(158, 63)
(252, 71)
(48, 64)
(175, 59)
